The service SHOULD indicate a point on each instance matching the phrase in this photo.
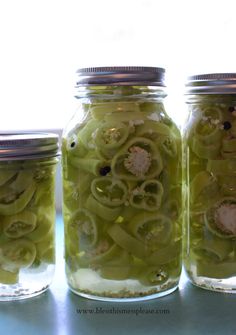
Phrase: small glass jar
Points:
(210, 181)
(121, 157)
(27, 213)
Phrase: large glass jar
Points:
(122, 187)
(210, 181)
(27, 213)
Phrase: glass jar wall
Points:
(121, 157)
(210, 182)
(27, 213)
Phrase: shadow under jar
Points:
(210, 181)
(27, 213)
(121, 157)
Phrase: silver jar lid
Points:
(121, 75)
(18, 146)
(212, 83)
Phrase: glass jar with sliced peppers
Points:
(27, 212)
(210, 181)
(121, 157)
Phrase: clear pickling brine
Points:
(210, 182)
(27, 214)
(121, 157)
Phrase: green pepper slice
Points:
(166, 254)
(6, 175)
(23, 180)
(209, 151)
(111, 135)
(152, 130)
(89, 165)
(154, 275)
(8, 278)
(84, 224)
(204, 191)
(16, 206)
(104, 212)
(227, 185)
(46, 248)
(74, 146)
(117, 268)
(147, 196)
(220, 219)
(16, 254)
(85, 134)
(20, 224)
(222, 166)
(109, 191)
(168, 145)
(220, 270)
(214, 249)
(115, 111)
(127, 241)
(44, 224)
(208, 128)
(228, 147)
(152, 229)
(138, 159)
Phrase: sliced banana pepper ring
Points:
(16, 254)
(85, 133)
(20, 203)
(166, 254)
(8, 278)
(147, 196)
(222, 166)
(111, 135)
(168, 145)
(109, 191)
(23, 180)
(220, 270)
(207, 129)
(85, 227)
(204, 191)
(214, 249)
(44, 224)
(114, 111)
(104, 212)
(127, 241)
(90, 165)
(117, 268)
(210, 151)
(18, 225)
(220, 219)
(152, 130)
(152, 229)
(228, 149)
(138, 159)
(154, 275)
(6, 175)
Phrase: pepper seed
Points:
(227, 125)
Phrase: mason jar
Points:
(121, 158)
(27, 213)
(210, 181)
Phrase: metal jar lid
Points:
(28, 146)
(212, 83)
(121, 75)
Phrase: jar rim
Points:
(121, 75)
(28, 145)
(211, 83)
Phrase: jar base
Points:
(32, 282)
(19, 293)
(131, 299)
(212, 284)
